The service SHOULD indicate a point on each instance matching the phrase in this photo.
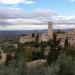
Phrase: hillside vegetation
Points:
(30, 59)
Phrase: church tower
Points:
(50, 30)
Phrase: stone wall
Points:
(50, 30)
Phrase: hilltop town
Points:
(37, 49)
(32, 37)
(37, 37)
(49, 35)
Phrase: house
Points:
(27, 38)
(2, 57)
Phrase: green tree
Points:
(66, 42)
(43, 45)
(8, 60)
(37, 37)
(33, 34)
(55, 48)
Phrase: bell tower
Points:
(50, 30)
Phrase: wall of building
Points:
(50, 30)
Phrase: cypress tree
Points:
(55, 48)
(66, 42)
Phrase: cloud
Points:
(18, 19)
(72, 0)
(5, 23)
(29, 2)
(18, 13)
(16, 1)
(37, 19)
(8, 13)
(11, 1)
(23, 27)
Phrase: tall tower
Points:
(50, 30)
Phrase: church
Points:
(45, 36)
(49, 35)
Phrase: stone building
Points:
(42, 36)
(49, 35)
(2, 57)
(46, 36)
(27, 38)
(70, 35)
(50, 30)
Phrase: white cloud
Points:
(29, 2)
(21, 21)
(15, 19)
(11, 1)
(23, 27)
(14, 7)
(16, 1)
(72, 0)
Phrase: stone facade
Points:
(62, 36)
(27, 38)
(42, 36)
(50, 30)
(2, 57)
(49, 35)
(70, 35)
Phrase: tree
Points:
(55, 48)
(36, 55)
(8, 60)
(66, 42)
(33, 34)
(43, 45)
(60, 31)
(37, 37)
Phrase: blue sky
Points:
(63, 7)
(34, 14)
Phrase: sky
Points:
(35, 14)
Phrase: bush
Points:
(36, 55)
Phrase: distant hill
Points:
(14, 33)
